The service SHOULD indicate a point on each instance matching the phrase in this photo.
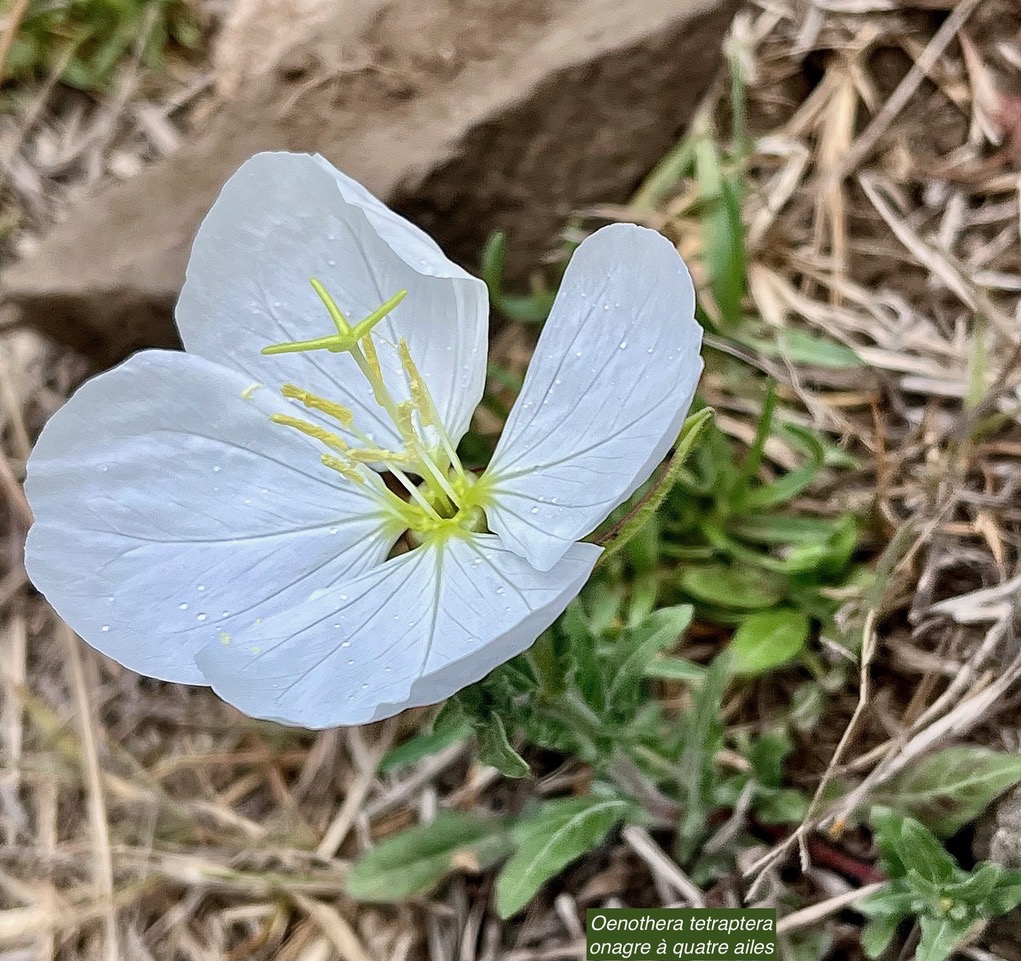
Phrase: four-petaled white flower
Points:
(221, 516)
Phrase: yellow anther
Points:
(372, 358)
(347, 471)
(321, 434)
(377, 455)
(406, 424)
(337, 411)
(419, 392)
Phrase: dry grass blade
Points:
(96, 801)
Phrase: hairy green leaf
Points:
(415, 861)
(558, 833)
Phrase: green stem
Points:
(622, 532)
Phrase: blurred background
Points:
(843, 177)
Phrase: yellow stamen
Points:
(406, 424)
(419, 392)
(321, 434)
(337, 411)
(427, 412)
(345, 470)
(374, 455)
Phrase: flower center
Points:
(447, 500)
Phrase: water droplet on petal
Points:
(182, 606)
(622, 344)
(200, 617)
(105, 627)
(201, 587)
(535, 510)
(217, 469)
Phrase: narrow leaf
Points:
(950, 788)
(415, 861)
(557, 834)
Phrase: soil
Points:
(465, 116)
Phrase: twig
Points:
(817, 912)
(96, 801)
(639, 840)
(906, 89)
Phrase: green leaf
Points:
(950, 788)
(781, 806)
(702, 737)
(558, 833)
(767, 755)
(1005, 896)
(768, 639)
(415, 861)
(801, 347)
(642, 643)
(877, 935)
(940, 935)
(920, 851)
(886, 825)
(675, 669)
(495, 749)
(793, 482)
(782, 529)
(424, 745)
(976, 887)
(731, 587)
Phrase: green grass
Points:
(85, 41)
(730, 548)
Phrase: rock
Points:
(998, 839)
(466, 115)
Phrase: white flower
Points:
(219, 517)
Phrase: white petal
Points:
(170, 510)
(612, 378)
(285, 218)
(411, 632)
